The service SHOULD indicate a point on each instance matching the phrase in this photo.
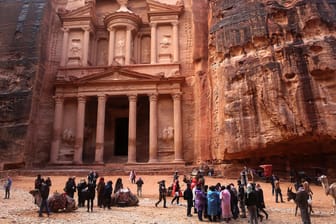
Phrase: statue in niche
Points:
(68, 136)
(168, 133)
(75, 49)
(165, 42)
(123, 7)
(121, 45)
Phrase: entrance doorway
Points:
(121, 136)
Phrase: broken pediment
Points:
(156, 6)
(86, 11)
(116, 75)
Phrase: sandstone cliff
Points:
(272, 66)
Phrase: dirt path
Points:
(20, 208)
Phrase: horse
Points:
(57, 202)
(88, 194)
(292, 196)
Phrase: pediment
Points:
(155, 6)
(81, 12)
(117, 75)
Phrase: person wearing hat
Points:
(162, 193)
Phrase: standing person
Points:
(241, 199)
(118, 185)
(48, 182)
(188, 196)
(225, 198)
(93, 177)
(80, 187)
(200, 197)
(176, 192)
(307, 188)
(132, 176)
(302, 201)
(44, 191)
(70, 187)
(251, 203)
(139, 184)
(278, 191)
(260, 202)
(234, 200)
(162, 193)
(213, 203)
(7, 186)
(273, 178)
(38, 182)
(107, 194)
(243, 176)
(100, 192)
(176, 176)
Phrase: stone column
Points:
(100, 129)
(177, 128)
(175, 43)
(128, 45)
(86, 42)
(132, 129)
(78, 158)
(111, 46)
(153, 43)
(58, 121)
(153, 148)
(65, 46)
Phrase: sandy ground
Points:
(20, 208)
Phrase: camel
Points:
(57, 202)
(124, 197)
(329, 189)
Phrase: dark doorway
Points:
(121, 136)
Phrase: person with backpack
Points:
(188, 196)
(44, 191)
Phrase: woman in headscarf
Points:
(225, 198)
(251, 203)
(213, 203)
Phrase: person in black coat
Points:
(107, 194)
(251, 204)
(260, 202)
(301, 200)
(162, 193)
(44, 191)
(188, 196)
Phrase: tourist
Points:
(93, 177)
(107, 194)
(200, 197)
(48, 182)
(273, 178)
(162, 193)
(243, 176)
(234, 200)
(278, 191)
(188, 196)
(301, 200)
(213, 203)
(38, 182)
(44, 191)
(80, 187)
(176, 192)
(70, 187)
(7, 187)
(139, 184)
(251, 204)
(176, 176)
(260, 202)
(225, 199)
(132, 176)
(100, 192)
(241, 199)
(118, 185)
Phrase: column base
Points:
(99, 162)
(179, 161)
(153, 161)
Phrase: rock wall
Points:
(23, 56)
(272, 66)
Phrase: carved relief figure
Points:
(75, 49)
(120, 46)
(168, 133)
(68, 136)
(123, 7)
(165, 42)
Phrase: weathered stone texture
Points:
(21, 75)
(272, 64)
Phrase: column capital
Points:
(132, 97)
(111, 29)
(101, 96)
(177, 96)
(175, 23)
(153, 24)
(86, 28)
(59, 99)
(153, 96)
(65, 29)
(81, 99)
